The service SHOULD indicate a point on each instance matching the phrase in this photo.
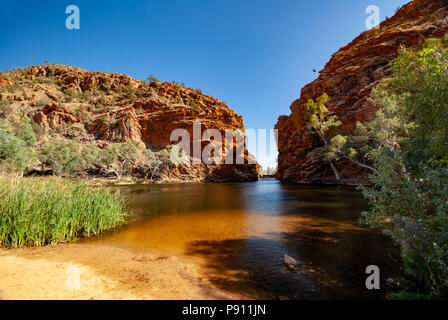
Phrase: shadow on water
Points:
(241, 231)
(332, 259)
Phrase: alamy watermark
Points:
(73, 281)
(73, 21)
(228, 146)
(374, 19)
(373, 280)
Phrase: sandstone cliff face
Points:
(101, 108)
(348, 79)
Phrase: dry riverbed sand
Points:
(89, 271)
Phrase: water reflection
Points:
(239, 232)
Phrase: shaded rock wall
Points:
(348, 79)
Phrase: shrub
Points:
(62, 157)
(195, 106)
(25, 131)
(409, 196)
(14, 153)
(152, 78)
(90, 155)
(42, 103)
(150, 156)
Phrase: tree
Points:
(387, 131)
(15, 155)
(152, 78)
(25, 132)
(62, 157)
(320, 121)
(408, 198)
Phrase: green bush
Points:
(62, 157)
(25, 131)
(409, 196)
(152, 78)
(195, 106)
(15, 155)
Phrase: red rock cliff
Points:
(348, 79)
(100, 108)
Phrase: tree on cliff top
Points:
(152, 78)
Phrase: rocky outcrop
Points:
(348, 79)
(101, 108)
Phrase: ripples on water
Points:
(239, 233)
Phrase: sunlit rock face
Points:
(348, 78)
(100, 108)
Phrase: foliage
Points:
(14, 153)
(120, 158)
(422, 76)
(68, 158)
(409, 195)
(387, 131)
(195, 106)
(409, 296)
(62, 157)
(320, 122)
(152, 78)
(37, 212)
(16, 145)
(131, 92)
(25, 132)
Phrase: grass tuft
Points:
(37, 212)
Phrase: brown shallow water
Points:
(238, 233)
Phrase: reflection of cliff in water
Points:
(156, 199)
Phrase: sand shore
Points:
(99, 272)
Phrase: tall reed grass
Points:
(37, 212)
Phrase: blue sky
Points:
(253, 54)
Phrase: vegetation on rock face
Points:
(406, 148)
(36, 212)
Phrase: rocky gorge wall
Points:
(100, 108)
(348, 78)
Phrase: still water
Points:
(238, 234)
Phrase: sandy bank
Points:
(88, 271)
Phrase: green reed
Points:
(37, 212)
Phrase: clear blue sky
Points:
(253, 54)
